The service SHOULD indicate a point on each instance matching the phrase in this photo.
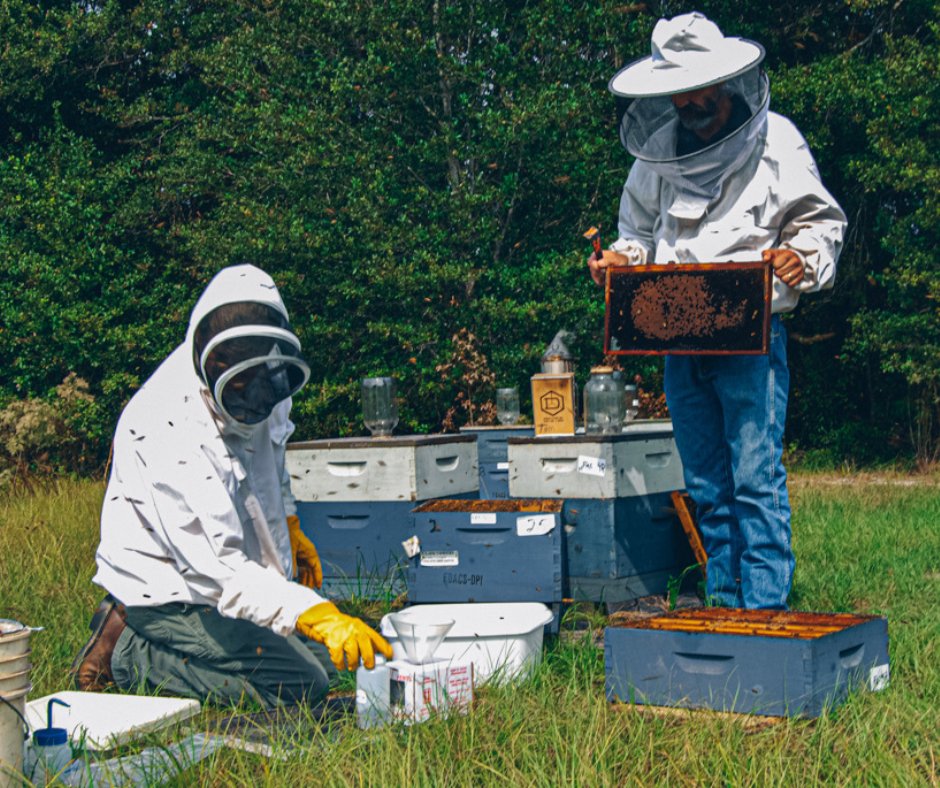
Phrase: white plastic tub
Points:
(502, 639)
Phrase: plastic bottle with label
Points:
(49, 754)
(373, 694)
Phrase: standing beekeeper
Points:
(199, 538)
(720, 178)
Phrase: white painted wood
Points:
(393, 469)
(586, 466)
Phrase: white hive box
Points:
(398, 468)
(643, 460)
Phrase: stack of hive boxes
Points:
(355, 498)
(576, 517)
(492, 549)
(622, 538)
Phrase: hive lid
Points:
(392, 441)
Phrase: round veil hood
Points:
(688, 52)
(235, 284)
(649, 131)
(243, 347)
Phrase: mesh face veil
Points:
(649, 131)
(249, 358)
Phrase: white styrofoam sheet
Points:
(108, 720)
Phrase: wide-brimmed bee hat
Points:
(688, 52)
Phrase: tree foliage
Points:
(408, 171)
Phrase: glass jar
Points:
(507, 405)
(379, 406)
(603, 402)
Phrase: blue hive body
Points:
(754, 661)
(493, 456)
(487, 551)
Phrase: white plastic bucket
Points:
(14, 686)
(502, 639)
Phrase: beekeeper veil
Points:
(244, 349)
(689, 52)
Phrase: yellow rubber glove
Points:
(347, 638)
(306, 559)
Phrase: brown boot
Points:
(91, 670)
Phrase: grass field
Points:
(863, 544)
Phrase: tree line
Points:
(417, 176)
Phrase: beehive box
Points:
(753, 661)
(487, 551)
(701, 308)
(622, 548)
(493, 456)
(397, 468)
(641, 461)
(360, 545)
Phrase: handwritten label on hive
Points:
(483, 518)
(592, 466)
(502, 466)
(534, 524)
(439, 558)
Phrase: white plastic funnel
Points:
(420, 638)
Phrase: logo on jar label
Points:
(552, 403)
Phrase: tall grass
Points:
(863, 546)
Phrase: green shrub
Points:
(408, 171)
(53, 434)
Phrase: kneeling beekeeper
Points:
(199, 538)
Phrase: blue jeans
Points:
(728, 414)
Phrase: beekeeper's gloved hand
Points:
(307, 566)
(347, 638)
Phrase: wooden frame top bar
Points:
(760, 623)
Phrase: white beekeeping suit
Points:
(755, 189)
(195, 509)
